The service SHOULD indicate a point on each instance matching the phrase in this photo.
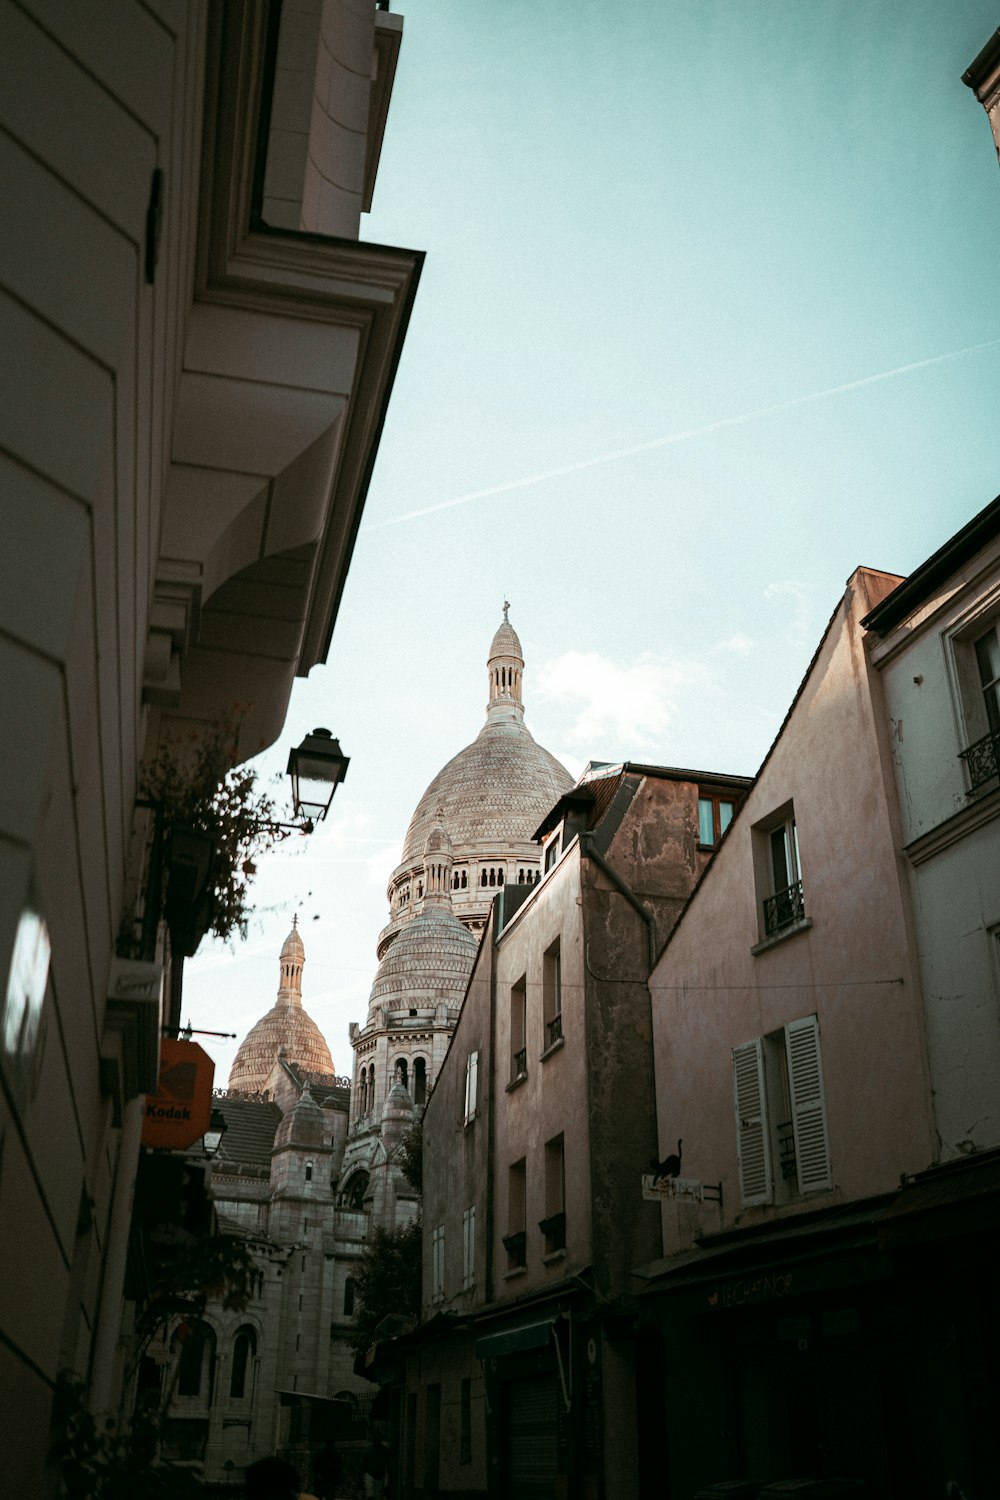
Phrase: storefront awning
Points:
(959, 1198)
(514, 1340)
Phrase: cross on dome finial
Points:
(506, 607)
(295, 921)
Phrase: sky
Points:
(708, 318)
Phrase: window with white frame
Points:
(437, 1263)
(781, 1130)
(778, 871)
(978, 663)
(471, 1086)
(518, 1030)
(552, 994)
(469, 1247)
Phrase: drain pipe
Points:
(589, 851)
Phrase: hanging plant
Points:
(218, 823)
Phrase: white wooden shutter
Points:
(751, 1123)
(805, 1084)
(471, 1085)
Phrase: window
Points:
(551, 853)
(471, 1086)
(982, 756)
(244, 1349)
(469, 1248)
(349, 1288)
(552, 995)
(437, 1264)
(553, 1226)
(781, 1114)
(195, 1344)
(309, 1171)
(518, 1030)
(419, 1080)
(715, 813)
(515, 1240)
(778, 872)
(465, 1423)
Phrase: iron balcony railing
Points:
(520, 1060)
(516, 1247)
(786, 1150)
(983, 761)
(783, 908)
(553, 1030)
(554, 1230)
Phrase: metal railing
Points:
(784, 908)
(553, 1030)
(554, 1230)
(983, 761)
(786, 1150)
(519, 1064)
(516, 1247)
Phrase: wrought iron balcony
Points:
(553, 1030)
(784, 908)
(983, 761)
(786, 1150)
(519, 1064)
(516, 1248)
(554, 1230)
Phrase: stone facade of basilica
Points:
(309, 1163)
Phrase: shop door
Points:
(531, 1438)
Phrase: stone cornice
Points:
(980, 811)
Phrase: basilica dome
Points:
(287, 1030)
(490, 798)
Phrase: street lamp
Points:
(317, 767)
(212, 1139)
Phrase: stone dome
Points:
(287, 1029)
(495, 791)
(429, 963)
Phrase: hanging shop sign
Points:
(180, 1111)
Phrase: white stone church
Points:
(309, 1163)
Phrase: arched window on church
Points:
(419, 1080)
(485, 878)
(196, 1366)
(465, 880)
(353, 1196)
(400, 1072)
(309, 1171)
(244, 1351)
(370, 1090)
(499, 877)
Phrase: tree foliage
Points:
(410, 1155)
(387, 1280)
(97, 1461)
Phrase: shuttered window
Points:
(751, 1123)
(805, 1083)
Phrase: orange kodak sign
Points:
(181, 1109)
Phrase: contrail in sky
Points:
(680, 437)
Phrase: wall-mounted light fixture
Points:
(317, 767)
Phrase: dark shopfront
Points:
(817, 1354)
(544, 1382)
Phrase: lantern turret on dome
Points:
(438, 861)
(505, 667)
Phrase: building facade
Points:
(521, 1380)
(816, 1041)
(197, 357)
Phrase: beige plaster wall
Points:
(933, 711)
(852, 968)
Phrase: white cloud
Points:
(616, 709)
